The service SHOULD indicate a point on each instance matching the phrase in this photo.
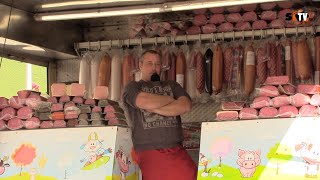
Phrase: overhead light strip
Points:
(212, 4)
(147, 9)
(85, 2)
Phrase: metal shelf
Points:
(104, 45)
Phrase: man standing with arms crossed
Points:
(154, 109)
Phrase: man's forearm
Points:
(152, 101)
(176, 108)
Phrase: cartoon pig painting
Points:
(248, 161)
(311, 156)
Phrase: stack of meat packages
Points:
(17, 112)
(67, 107)
(281, 70)
(206, 21)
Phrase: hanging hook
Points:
(128, 45)
(89, 45)
(199, 37)
(212, 38)
(252, 34)
(156, 41)
(173, 40)
(285, 32)
(296, 31)
(234, 35)
(185, 39)
(222, 36)
(243, 35)
(261, 34)
(99, 45)
(273, 32)
(305, 30)
(141, 42)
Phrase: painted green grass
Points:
(262, 173)
(25, 176)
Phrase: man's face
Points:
(150, 64)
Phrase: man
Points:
(154, 110)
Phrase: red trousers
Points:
(166, 164)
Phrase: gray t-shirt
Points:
(151, 130)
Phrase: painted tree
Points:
(279, 154)
(24, 155)
(221, 148)
(42, 161)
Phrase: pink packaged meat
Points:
(277, 24)
(46, 124)
(268, 90)
(268, 15)
(279, 101)
(308, 89)
(315, 100)
(217, 19)
(200, 20)
(277, 80)
(250, 16)
(52, 100)
(225, 27)
(249, 7)
(308, 111)
(268, 112)
(299, 100)
(209, 28)
(32, 123)
(248, 113)
(288, 111)
(217, 10)
(56, 107)
(268, 6)
(260, 102)
(229, 106)
(24, 113)
(234, 17)
(15, 102)
(3, 102)
(227, 115)
(7, 113)
(260, 24)
(15, 124)
(243, 26)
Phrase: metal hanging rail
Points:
(104, 45)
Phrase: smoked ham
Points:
(317, 60)
(261, 66)
(171, 73)
(304, 62)
(228, 64)
(94, 69)
(217, 69)
(126, 70)
(191, 75)
(249, 70)
(104, 71)
(115, 81)
(181, 68)
(208, 56)
(288, 61)
(200, 73)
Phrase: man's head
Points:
(150, 63)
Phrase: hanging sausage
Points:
(208, 56)
(217, 69)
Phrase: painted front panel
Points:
(125, 168)
(260, 149)
(70, 153)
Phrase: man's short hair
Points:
(150, 51)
